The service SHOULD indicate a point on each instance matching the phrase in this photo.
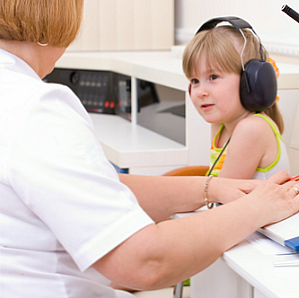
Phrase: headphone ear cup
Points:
(258, 86)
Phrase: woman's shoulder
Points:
(55, 87)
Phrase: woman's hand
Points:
(277, 199)
(224, 190)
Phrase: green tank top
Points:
(214, 153)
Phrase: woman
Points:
(68, 225)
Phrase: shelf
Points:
(128, 145)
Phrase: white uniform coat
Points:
(62, 206)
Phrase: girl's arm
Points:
(253, 144)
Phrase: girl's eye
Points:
(194, 81)
(213, 77)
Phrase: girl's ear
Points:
(189, 90)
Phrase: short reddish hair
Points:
(53, 22)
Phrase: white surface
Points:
(218, 281)
(161, 67)
(245, 272)
(294, 147)
(128, 145)
(258, 269)
(266, 245)
(265, 16)
(246, 269)
(284, 230)
(288, 76)
(288, 105)
(126, 25)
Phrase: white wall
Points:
(155, 24)
(279, 32)
(112, 25)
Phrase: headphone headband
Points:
(235, 21)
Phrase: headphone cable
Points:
(217, 159)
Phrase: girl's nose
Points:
(201, 90)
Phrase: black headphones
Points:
(258, 86)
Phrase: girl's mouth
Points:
(206, 106)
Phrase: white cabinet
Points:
(245, 271)
(219, 280)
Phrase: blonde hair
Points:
(221, 47)
(52, 22)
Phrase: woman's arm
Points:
(162, 196)
(166, 253)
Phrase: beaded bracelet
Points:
(209, 205)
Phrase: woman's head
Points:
(222, 48)
(53, 22)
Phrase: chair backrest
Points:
(189, 171)
(294, 147)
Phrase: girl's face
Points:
(215, 94)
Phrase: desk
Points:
(246, 272)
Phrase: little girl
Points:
(212, 63)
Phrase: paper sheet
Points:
(266, 245)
